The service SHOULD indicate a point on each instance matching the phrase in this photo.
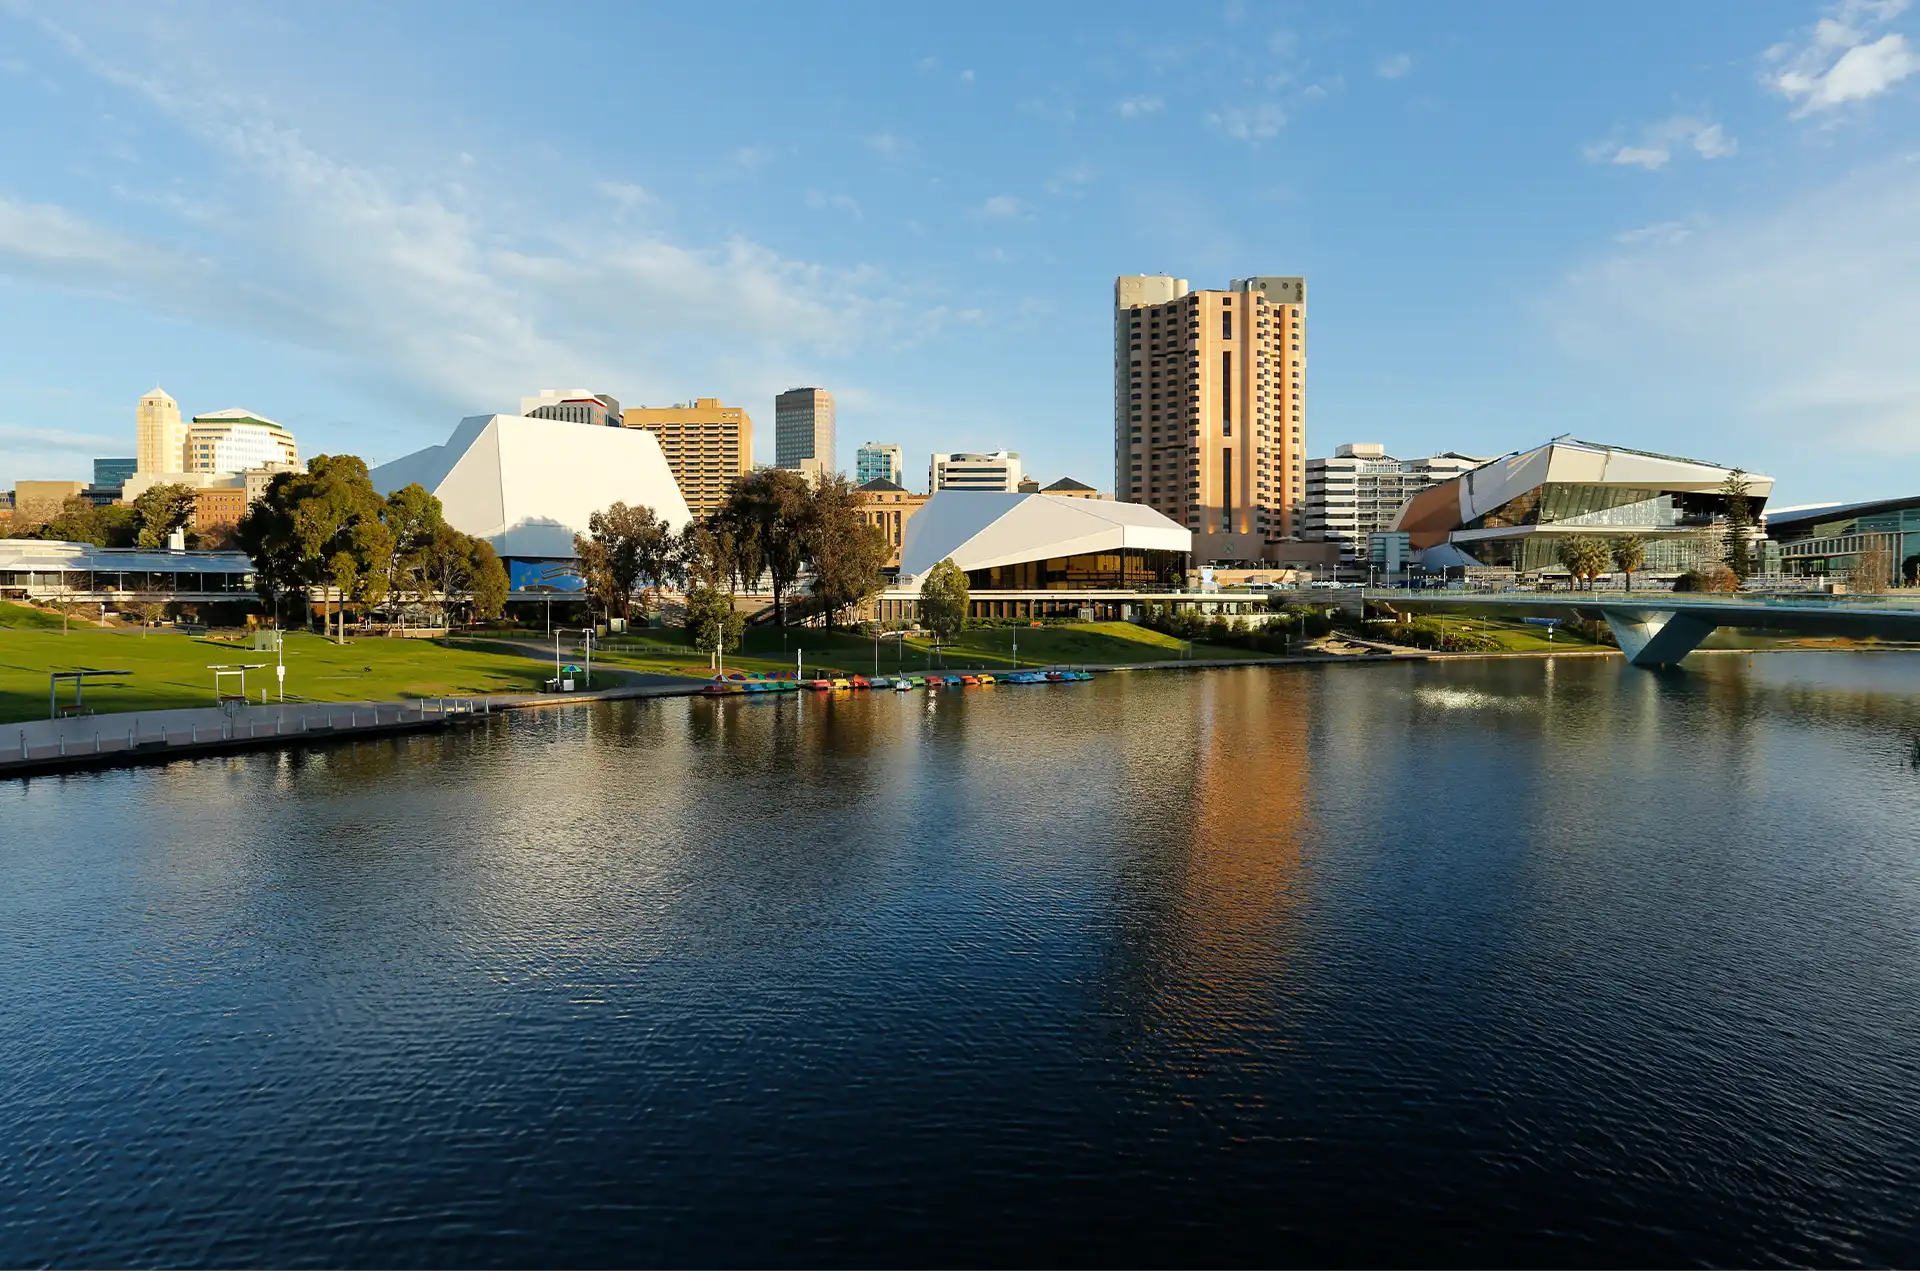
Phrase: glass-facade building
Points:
(1839, 541)
(1518, 512)
(878, 462)
(1122, 569)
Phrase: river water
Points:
(1474, 962)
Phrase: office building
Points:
(888, 507)
(707, 445)
(234, 440)
(160, 438)
(1209, 393)
(1516, 512)
(1358, 492)
(528, 485)
(878, 462)
(803, 430)
(588, 408)
(1068, 487)
(111, 473)
(997, 472)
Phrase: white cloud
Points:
(1795, 321)
(1840, 61)
(1249, 124)
(1002, 207)
(1143, 105)
(1658, 142)
(753, 159)
(966, 77)
(11, 434)
(890, 145)
(842, 203)
(1069, 180)
(1393, 66)
(452, 289)
(625, 195)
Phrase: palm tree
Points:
(1629, 553)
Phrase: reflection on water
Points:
(1503, 962)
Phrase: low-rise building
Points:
(1878, 539)
(1519, 511)
(1068, 487)
(38, 501)
(888, 507)
(217, 513)
(588, 408)
(996, 472)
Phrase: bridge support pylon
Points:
(1657, 639)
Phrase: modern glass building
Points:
(1037, 542)
(1517, 511)
(1834, 539)
(878, 462)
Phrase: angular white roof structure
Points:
(981, 530)
(527, 485)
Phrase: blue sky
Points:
(1687, 227)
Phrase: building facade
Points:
(1517, 512)
(160, 438)
(1209, 391)
(803, 430)
(111, 473)
(878, 462)
(216, 515)
(1875, 544)
(1359, 491)
(578, 405)
(888, 507)
(997, 472)
(38, 501)
(235, 440)
(708, 447)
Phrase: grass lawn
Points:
(1520, 637)
(765, 649)
(171, 670)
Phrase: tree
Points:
(767, 514)
(706, 556)
(445, 571)
(489, 581)
(1586, 558)
(1629, 553)
(622, 545)
(713, 624)
(1737, 537)
(1871, 570)
(943, 600)
(409, 518)
(846, 552)
(297, 530)
(159, 511)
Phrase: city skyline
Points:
(937, 245)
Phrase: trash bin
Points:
(566, 686)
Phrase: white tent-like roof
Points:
(981, 530)
(527, 485)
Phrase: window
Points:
(1226, 484)
(1226, 325)
(1226, 393)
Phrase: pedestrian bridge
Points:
(1659, 628)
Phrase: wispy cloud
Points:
(1254, 123)
(1815, 346)
(1657, 144)
(1070, 180)
(1841, 61)
(1002, 207)
(753, 159)
(890, 145)
(837, 201)
(11, 434)
(1145, 104)
(1393, 66)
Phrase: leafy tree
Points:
(1629, 553)
(846, 552)
(409, 518)
(159, 511)
(712, 621)
(767, 513)
(706, 555)
(622, 545)
(943, 600)
(1737, 537)
(445, 570)
(1585, 558)
(489, 581)
(300, 528)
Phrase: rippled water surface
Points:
(1498, 962)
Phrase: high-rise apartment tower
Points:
(1209, 407)
(803, 430)
(160, 439)
(1358, 492)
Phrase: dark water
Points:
(1483, 963)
